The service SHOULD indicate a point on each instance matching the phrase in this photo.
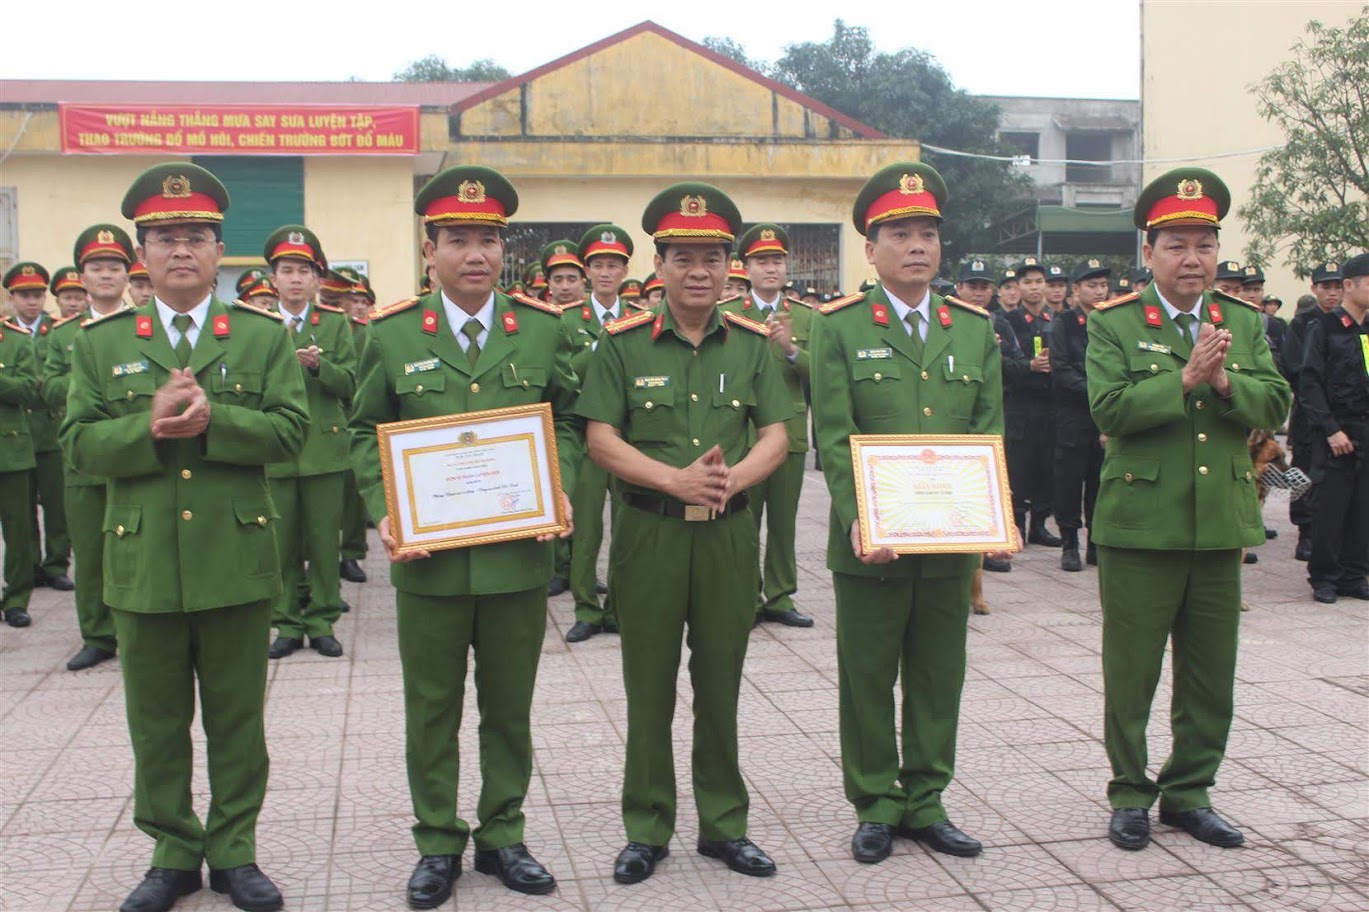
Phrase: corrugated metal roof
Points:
(52, 91)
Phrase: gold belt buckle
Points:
(696, 513)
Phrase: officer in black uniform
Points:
(1078, 451)
(1030, 410)
(1334, 395)
(1327, 287)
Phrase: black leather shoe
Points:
(1204, 825)
(88, 657)
(600, 587)
(248, 887)
(17, 617)
(994, 565)
(283, 646)
(610, 625)
(1270, 534)
(40, 579)
(790, 618)
(1069, 560)
(944, 837)
(160, 889)
(1091, 555)
(637, 862)
(61, 582)
(558, 585)
(344, 606)
(326, 646)
(351, 571)
(1250, 558)
(1130, 828)
(1040, 535)
(516, 868)
(741, 855)
(1303, 551)
(1356, 592)
(872, 843)
(430, 885)
(1324, 594)
(583, 630)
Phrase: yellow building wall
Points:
(602, 95)
(362, 209)
(57, 197)
(1201, 103)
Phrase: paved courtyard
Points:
(1030, 784)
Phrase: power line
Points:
(1014, 159)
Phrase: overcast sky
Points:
(993, 47)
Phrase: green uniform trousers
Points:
(21, 547)
(587, 504)
(85, 504)
(913, 627)
(310, 523)
(49, 484)
(1149, 597)
(778, 497)
(353, 520)
(561, 556)
(668, 574)
(436, 634)
(163, 656)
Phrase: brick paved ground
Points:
(334, 832)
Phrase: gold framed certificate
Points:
(932, 494)
(471, 479)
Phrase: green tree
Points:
(1308, 204)
(907, 93)
(436, 69)
(730, 47)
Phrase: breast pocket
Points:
(236, 387)
(1151, 364)
(732, 410)
(123, 555)
(523, 384)
(420, 395)
(963, 384)
(651, 416)
(876, 388)
(130, 393)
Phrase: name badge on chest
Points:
(650, 382)
(418, 367)
(1156, 347)
(132, 367)
(874, 354)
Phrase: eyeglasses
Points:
(195, 244)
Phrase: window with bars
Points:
(523, 243)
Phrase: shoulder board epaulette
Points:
(9, 324)
(65, 320)
(966, 305)
(798, 303)
(544, 306)
(259, 311)
(397, 307)
(100, 318)
(839, 303)
(724, 301)
(641, 318)
(1114, 302)
(1232, 299)
(755, 326)
(324, 307)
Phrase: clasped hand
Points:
(707, 481)
(1207, 362)
(180, 409)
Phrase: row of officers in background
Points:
(233, 429)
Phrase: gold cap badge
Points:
(910, 184)
(1094, 264)
(104, 237)
(767, 234)
(295, 238)
(471, 192)
(693, 206)
(176, 186)
(1190, 189)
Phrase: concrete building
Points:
(586, 138)
(1078, 207)
(1201, 104)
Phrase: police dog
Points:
(1265, 451)
(977, 603)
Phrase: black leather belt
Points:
(662, 506)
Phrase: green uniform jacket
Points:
(44, 419)
(330, 388)
(201, 505)
(580, 323)
(795, 374)
(57, 381)
(868, 380)
(413, 367)
(18, 393)
(1177, 473)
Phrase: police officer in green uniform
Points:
(27, 298)
(182, 404)
(670, 398)
(900, 360)
(18, 393)
(353, 550)
(466, 348)
(308, 489)
(605, 251)
(1176, 377)
(564, 277)
(69, 292)
(764, 251)
(104, 253)
(249, 277)
(1078, 450)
